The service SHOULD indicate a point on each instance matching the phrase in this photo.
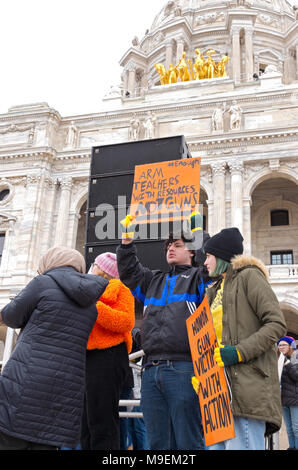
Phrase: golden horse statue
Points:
(201, 69)
(163, 74)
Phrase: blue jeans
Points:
(171, 407)
(249, 435)
(137, 432)
(290, 414)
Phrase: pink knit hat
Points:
(107, 262)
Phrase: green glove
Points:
(226, 356)
(196, 221)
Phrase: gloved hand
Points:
(196, 384)
(195, 221)
(128, 227)
(226, 355)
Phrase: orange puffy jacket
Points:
(115, 319)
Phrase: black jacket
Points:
(42, 384)
(169, 299)
(289, 382)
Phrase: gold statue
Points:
(199, 66)
(183, 69)
(173, 74)
(221, 66)
(163, 74)
(210, 64)
(201, 69)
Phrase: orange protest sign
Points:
(214, 396)
(164, 190)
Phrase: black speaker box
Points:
(110, 188)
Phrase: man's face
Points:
(177, 254)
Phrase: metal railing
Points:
(133, 402)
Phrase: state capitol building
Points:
(224, 74)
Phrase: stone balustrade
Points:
(283, 272)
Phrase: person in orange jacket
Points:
(107, 364)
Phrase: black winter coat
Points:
(169, 299)
(42, 384)
(289, 382)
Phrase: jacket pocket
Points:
(258, 369)
(260, 365)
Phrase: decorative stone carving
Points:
(150, 126)
(267, 20)
(219, 168)
(236, 166)
(135, 128)
(135, 42)
(172, 8)
(218, 119)
(274, 165)
(16, 128)
(210, 18)
(235, 116)
(71, 135)
(158, 38)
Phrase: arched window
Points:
(4, 194)
(279, 217)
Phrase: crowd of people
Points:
(61, 387)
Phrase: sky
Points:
(66, 52)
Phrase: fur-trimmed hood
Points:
(243, 261)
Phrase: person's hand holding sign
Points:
(226, 355)
(196, 384)
(128, 228)
(196, 221)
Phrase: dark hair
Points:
(179, 236)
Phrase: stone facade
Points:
(244, 129)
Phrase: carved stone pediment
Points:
(6, 219)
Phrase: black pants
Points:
(106, 370)
(14, 443)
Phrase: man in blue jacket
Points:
(170, 406)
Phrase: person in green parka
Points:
(248, 321)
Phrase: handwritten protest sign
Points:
(165, 190)
(214, 397)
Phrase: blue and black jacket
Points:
(169, 298)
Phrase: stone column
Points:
(169, 53)
(256, 63)
(235, 31)
(219, 196)
(131, 82)
(249, 60)
(236, 169)
(63, 212)
(180, 48)
(49, 210)
(33, 215)
(210, 205)
(125, 79)
(296, 61)
(5, 266)
(247, 225)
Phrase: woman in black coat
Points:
(289, 388)
(42, 384)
